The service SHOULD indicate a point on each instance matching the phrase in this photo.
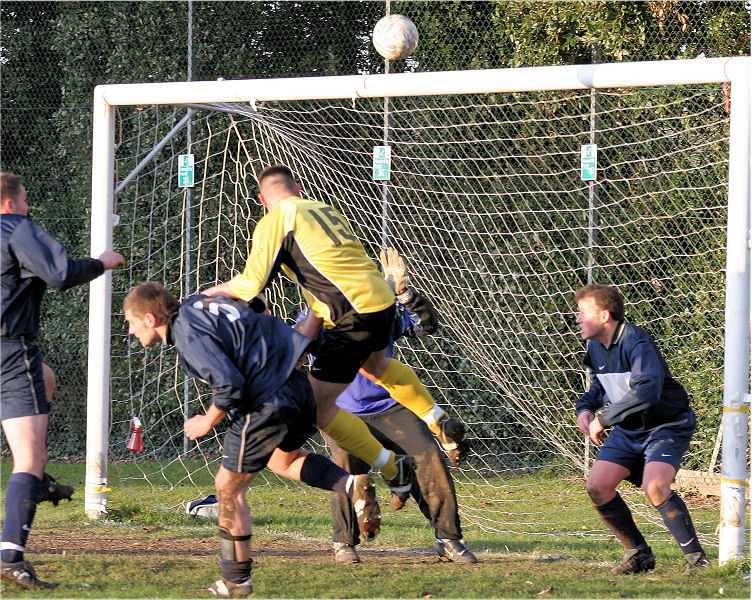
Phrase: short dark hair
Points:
(606, 297)
(151, 297)
(10, 185)
(278, 170)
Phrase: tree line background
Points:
(53, 54)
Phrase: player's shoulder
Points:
(214, 304)
(637, 339)
(206, 315)
(634, 333)
(289, 209)
(295, 202)
(11, 223)
(22, 230)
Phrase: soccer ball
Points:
(395, 37)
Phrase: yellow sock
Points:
(404, 386)
(353, 435)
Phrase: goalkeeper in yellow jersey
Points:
(313, 244)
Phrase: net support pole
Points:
(100, 298)
(187, 289)
(732, 530)
(385, 234)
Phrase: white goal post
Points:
(738, 283)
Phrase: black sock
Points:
(616, 514)
(318, 471)
(236, 571)
(21, 497)
(679, 523)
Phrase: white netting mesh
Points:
(486, 204)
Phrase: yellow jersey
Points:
(313, 244)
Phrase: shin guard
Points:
(232, 569)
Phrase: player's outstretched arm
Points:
(111, 259)
(222, 289)
(395, 273)
(310, 326)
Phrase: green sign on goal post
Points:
(588, 162)
(382, 162)
(185, 170)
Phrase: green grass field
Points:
(143, 552)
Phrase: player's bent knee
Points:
(656, 491)
(228, 482)
(598, 494)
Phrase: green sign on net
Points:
(185, 170)
(589, 162)
(382, 162)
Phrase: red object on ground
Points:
(134, 442)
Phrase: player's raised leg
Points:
(353, 435)
(318, 471)
(404, 386)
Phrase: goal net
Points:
(491, 201)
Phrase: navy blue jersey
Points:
(631, 383)
(242, 355)
(30, 260)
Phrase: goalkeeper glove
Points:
(395, 274)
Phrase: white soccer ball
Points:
(395, 37)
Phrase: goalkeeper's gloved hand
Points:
(395, 273)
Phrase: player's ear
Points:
(605, 315)
(298, 189)
(151, 320)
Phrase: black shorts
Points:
(634, 449)
(349, 344)
(22, 391)
(285, 420)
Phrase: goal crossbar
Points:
(735, 71)
(571, 77)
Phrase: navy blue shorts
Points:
(22, 391)
(285, 420)
(349, 344)
(634, 449)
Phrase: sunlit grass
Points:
(128, 554)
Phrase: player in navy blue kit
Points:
(633, 391)
(250, 361)
(401, 431)
(31, 259)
